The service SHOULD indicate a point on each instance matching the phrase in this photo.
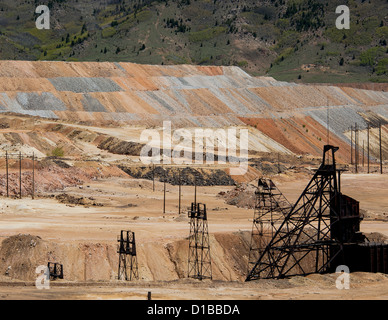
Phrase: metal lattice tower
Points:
(270, 209)
(199, 261)
(307, 241)
(55, 270)
(127, 256)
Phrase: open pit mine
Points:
(82, 215)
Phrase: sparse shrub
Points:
(58, 152)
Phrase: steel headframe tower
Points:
(310, 237)
(270, 209)
(199, 261)
(128, 258)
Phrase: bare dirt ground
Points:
(83, 238)
(363, 286)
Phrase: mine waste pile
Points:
(75, 195)
(283, 117)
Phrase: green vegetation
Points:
(206, 34)
(242, 64)
(57, 152)
(278, 38)
(284, 54)
(371, 56)
(382, 67)
(108, 32)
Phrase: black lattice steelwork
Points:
(304, 243)
(55, 270)
(127, 256)
(271, 207)
(199, 262)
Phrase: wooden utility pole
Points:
(153, 177)
(195, 189)
(381, 151)
(363, 154)
(356, 146)
(20, 174)
(33, 176)
(164, 192)
(368, 148)
(328, 123)
(6, 166)
(180, 191)
(351, 144)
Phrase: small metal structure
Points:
(199, 262)
(127, 256)
(55, 270)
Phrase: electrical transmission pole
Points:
(351, 144)
(6, 165)
(180, 191)
(363, 154)
(164, 191)
(368, 148)
(33, 176)
(20, 175)
(381, 150)
(153, 177)
(356, 155)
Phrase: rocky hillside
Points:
(290, 40)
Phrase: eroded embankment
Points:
(20, 255)
(53, 175)
(184, 176)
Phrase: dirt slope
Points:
(165, 261)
